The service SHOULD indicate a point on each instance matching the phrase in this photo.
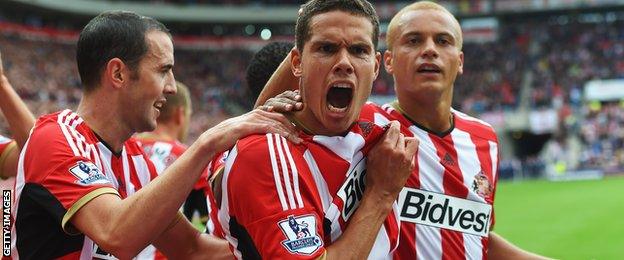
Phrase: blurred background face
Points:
(336, 71)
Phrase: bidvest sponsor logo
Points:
(352, 189)
(443, 211)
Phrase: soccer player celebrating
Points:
(447, 203)
(283, 200)
(82, 189)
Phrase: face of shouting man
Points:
(336, 68)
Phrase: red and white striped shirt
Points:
(62, 167)
(446, 206)
(281, 200)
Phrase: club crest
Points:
(481, 185)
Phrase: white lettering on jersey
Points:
(443, 211)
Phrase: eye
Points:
(444, 41)
(359, 50)
(327, 48)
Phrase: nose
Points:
(170, 84)
(343, 64)
(430, 51)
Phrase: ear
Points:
(180, 114)
(295, 62)
(377, 63)
(460, 69)
(388, 61)
(116, 72)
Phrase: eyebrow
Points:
(167, 66)
(417, 33)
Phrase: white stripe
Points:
(333, 213)
(276, 176)
(428, 242)
(65, 133)
(468, 161)
(321, 185)
(224, 211)
(107, 157)
(473, 246)
(494, 157)
(380, 120)
(430, 173)
(96, 157)
(430, 170)
(287, 184)
(126, 172)
(381, 247)
(87, 249)
(295, 173)
(142, 170)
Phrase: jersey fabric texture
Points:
(6, 146)
(286, 201)
(64, 165)
(446, 207)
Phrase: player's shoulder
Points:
(133, 146)
(57, 131)
(474, 126)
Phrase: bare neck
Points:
(433, 113)
(105, 119)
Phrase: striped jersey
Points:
(283, 201)
(6, 145)
(446, 206)
(62, 167)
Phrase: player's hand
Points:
(287, 101)
(224, 135)
(390, 162)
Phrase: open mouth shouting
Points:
(339, 97)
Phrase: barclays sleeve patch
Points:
(300, 232)
(87, 173)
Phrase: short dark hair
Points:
(263, 64)
(113, 34)
(314, 7)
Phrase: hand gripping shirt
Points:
(63, 166)
(286, 201)
(446, 206)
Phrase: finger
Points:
(278, 119)
(290, 94)
(400, 144)
(392, 134)
(411, 146)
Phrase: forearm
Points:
(134, 222)
(183, 241)
(358, 239)
(20, 119)
(499, 248)
(281, 80)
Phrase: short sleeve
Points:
(274, 208)
(60, 179)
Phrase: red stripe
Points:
(407, 247)
(392, 229)
(117, 168)
(453, 182)
(484, 248)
